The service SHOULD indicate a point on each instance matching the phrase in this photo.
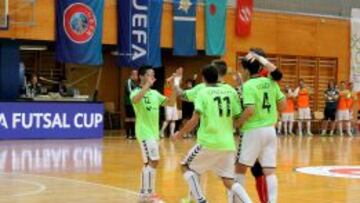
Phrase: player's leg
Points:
(194, 164)
(340, 115)
(301, 119)
(325, 122)
(348, 123)
(151, 157)
(261, 187)
(291, 123)
(267, 159)
(308, 122)
(224, 168)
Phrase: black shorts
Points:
(330, 114)
(129, 111)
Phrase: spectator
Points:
(130, 85)
(303, 102)
(331, 97)
(188, 107)
(350, 104)
(343, 113)
(34, 88)
(287, 116)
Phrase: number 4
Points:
(266, 104)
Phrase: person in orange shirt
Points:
(171, 111)
(287, 116)
(343, 113)
(350, 104)
(303, 103)
(331, 98)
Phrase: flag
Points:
(79, 31)
(355, 48)
(215, 15)
(244, 12)
(139, 24)
(184, 27)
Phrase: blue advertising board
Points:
(37, 120)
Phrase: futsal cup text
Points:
(50, 120)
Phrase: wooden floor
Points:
(74, 171)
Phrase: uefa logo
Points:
(79, 23)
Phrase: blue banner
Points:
(215, 33)
(79, 31)
(184, 28)
(51, 120)
(139, 23)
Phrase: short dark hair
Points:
(210, 74)
(143, 69)
(221, 66)
(253, 67)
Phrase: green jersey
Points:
(191, 94)
(217, 106)
(263, 94)
(147, 112)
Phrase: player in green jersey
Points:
(262, 97)
(146, 103)
(216, 106)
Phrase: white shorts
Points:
(285, 117)
(150, 150)
(202, 160)
(304, 113)
(351, 115)
(259, 144)
(171, 113)
(343, 115)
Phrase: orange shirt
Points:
(303, 98)
(290, 106)
(344, 95)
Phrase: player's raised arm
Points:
(145, 87)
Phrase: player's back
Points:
(263, 94)
(217, 105)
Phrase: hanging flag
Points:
(139, 24)
(355, 48)
(184, 27)
(215, 15)
(244, 12)
(79, 31)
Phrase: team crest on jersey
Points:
(79, 23)
(352, 172)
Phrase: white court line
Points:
(77, 181)
(41, 188)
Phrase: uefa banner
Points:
(27, 120)
(139, 24)
(355, 48)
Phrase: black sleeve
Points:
(276, 75)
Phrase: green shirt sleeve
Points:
(249, 96)
(199, 105)
(161, 98)
(279, 94)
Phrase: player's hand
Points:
(250, 57)
(195, 76)
(176, 136)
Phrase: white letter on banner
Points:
(138, 7)
(16, 119)
(47, 121)
(3, 121)
(56, 121)
(66, 124)
(76, 120)
(138, 52)
(37, 119)
(139, 20)
(98, 119)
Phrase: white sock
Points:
(172, 127)
(163, 128)
(148, 180)
(340, 128)
(348, 128)
(291, 126)
(331, 132)
(300, 127)
(323, 132)
(272, 186)
(193, 181)
(308, 125)
(285, 128)
(240, 192)
(279, 127)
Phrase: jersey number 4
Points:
(220, 101)
(266, 104)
